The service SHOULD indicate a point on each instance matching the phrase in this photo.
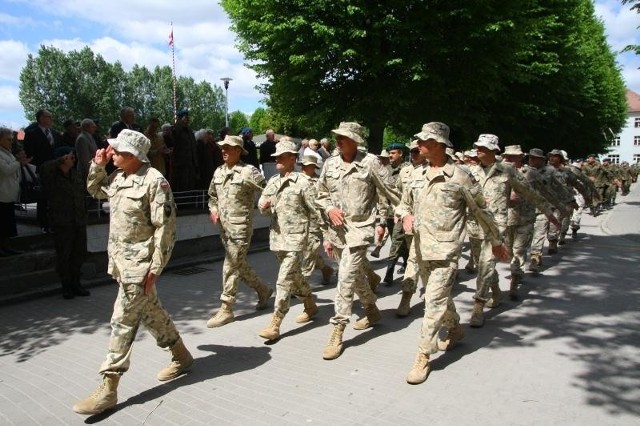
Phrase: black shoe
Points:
(81, 291)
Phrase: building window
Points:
(636, 122)
(636, 140)
(615, 159)
(636, 158)
(615, 141)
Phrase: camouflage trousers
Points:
(440, 311)
(518, 240)
(487, 275)
(236, 268)
(542, 229)
(411, 273)
(352, 278)
(131, 308)
(399, 247)
(311, 257)
(576, 217)
(290, 281)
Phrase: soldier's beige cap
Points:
(451, 153)
(283, 147)
(353, 131)
(513, 150)
(459, 156)
(489, 141)
(383, 154)
(437, 131)
(307, 160)
(132, 142)
(413, 145)
(472, 153)
(230, 140)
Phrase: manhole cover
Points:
(190, 270)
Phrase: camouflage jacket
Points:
(497, 181)
(292, 207)
(232, 195)
(318, 224)
(439, 200)
(522, 212)
(354, 188)
(385, 208)
(407, 177)
(595, 173)
(142, 223)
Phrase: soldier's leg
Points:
(64, 251)
(351, 261)
(231, 270)
(290, 281)
(158, 321)
(125, 320)
(487, 274)
(410, 278)
(475, 245)
(576, 217)
(395, 252)
(521, 243)
(439, 307)
(310, 256)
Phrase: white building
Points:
(626, 146)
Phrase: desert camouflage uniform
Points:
(584, 195)
(353, 188)
(142, 233)
(440, 199)
(292, 206)
(497, 181)
(399, 247)
(232, 195)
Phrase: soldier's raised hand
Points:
(103, 156)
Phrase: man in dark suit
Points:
(250, 146)
(127, 121)
(39, 141)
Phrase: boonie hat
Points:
(536, 152)
(413, 145)
(283, 147)
(383, 154)
(353, 131)
(513, 150)
(489, 141)
(307, 160)
(230, 140)
(132, 142)
(437, 131)
(555, 152)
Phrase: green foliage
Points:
(238, 120)
(80, 84)
(535, 72)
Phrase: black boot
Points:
(78, 289)
(388, 276)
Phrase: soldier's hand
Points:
(149, 282)
(553, 220)
(328, 248)
(407, 224)
(500, 252)
(336, 216)
(214, 217)
(103, 156)
(380, 232)
(265, 204)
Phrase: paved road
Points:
(568, 353)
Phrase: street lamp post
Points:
(226, 100)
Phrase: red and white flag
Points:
(171, 38)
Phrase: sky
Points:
(137, 31)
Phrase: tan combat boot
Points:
(334, 346)
(496, 297)
(405, 304)
(102, 399)
(272, 332)
(222, 317)
(513, 288)
(181, 360)
(327, 273)
(553, 247)
(310, 309)
(374, 280)
(420, 370)
(477, 315)
(371, 316)
(454, 335)
(264, 293)
(535, 263)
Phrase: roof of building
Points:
(633, 101)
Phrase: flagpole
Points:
(173, 70)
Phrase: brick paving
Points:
(567, 353)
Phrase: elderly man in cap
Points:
(497, 181)
(521, 215)
(311, 258)
(142, 233)
(434, 207)
(289, 199)
(232, 195)
(348, 190)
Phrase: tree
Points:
(635, 5)
(237, 121)
(475, 65)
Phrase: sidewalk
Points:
(567, 353)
